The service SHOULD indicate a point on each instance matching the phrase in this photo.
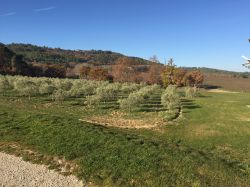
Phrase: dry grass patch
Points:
(220, 91)
(120, 120)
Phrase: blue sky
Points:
(202, 33)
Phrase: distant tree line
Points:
(33, 53)
(123, 69)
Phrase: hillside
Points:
(5, 58)
(12, 63)
(220, 72)
(56, 62)
(43, 54)
(33, 53)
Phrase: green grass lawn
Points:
(209, 146)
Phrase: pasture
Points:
(105, 138)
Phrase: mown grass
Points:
(209, 146)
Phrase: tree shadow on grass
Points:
(208, 87)
(188, 105)
(152, 109)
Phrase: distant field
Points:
(228, 82)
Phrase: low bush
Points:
(170, 98)
(190, 92)
(136, 98)
(59, 95)
(4, 84)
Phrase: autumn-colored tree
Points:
(194, 78)
(98, 74)
(84, 72)
(54, 71)
(124, 70)
(168, 73)
(153, 76)
(179, 78)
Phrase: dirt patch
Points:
(123, 123)
(16, 172)
(220, 91)
(117, 119)
(244, 119)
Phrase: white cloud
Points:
(44, 9)
(8, 14)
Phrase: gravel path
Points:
(16, 172)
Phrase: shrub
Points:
(136, 98)
(92, 100)
(29, 89)
(46, 89)
(4, 84)
(59, 95)
(108, 93)
(62, 84)
(133, 101)
(190, 92)
(82, 90)
(128, 88)
(170, 98)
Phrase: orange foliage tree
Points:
(179, 77)
(84, 72)
(194, 78)
(98, 74)
(124, 70)
(168, 73)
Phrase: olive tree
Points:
(4, 84)
(170, 98)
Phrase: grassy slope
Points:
(208, 148)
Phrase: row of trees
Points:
(173, 75)
(59, 89)
(94, 73)
(125, 69)
(136, 98)
(155, 73)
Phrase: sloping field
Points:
(208, 146)
(228, 82)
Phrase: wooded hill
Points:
(32, 60)
(220, 72)
(33, 53)
(11, 63)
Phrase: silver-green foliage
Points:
(136, 98)
(46, 89)
(29, 89)
(59, 95)
(4, 84)
(109, 92)
(133, 101)
(129, 87)
(103, 93)
(190, 92)
(170, 98)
